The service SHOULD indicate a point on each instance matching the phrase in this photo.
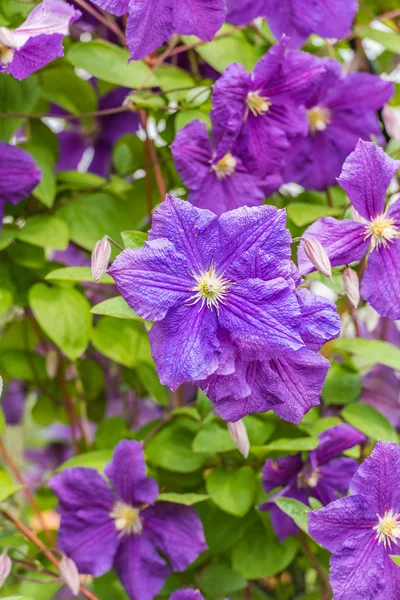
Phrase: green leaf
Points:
(16, 97)
(56, 85)
(287, 445)
(171, 448)
(6, 300)
(115, 307)
(97, 459)
(64, 315)
(369, 421)
(110, 432)
(149, 379)
(7, 486)
(45, 231)
(389, 40)
(109, 62)
(296, 511)
(126, 342)
(212, 439)
(342, 385)
(218, 580)
(371, 351)
(184, 117)
(7, 236)
(186, 499)
(259, 431)
(395, 559)
(133, 239)
(79, 274)
(232, 491)
(304, 213)
(22, 364)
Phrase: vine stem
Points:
(32, 537)
(327, 591)
(153, 156)
(103, 18)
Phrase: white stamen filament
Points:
(226, 166)
(127, 519)
(388, 529)
(211, 289)
(259, 105)
(381, 231)
(319, 118)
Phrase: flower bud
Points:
(351, 286)
(52, 363)
(1, 386)
(239, 435)
(5, 567)
(70, 574)
(317, 255)
(100, 258)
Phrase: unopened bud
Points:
(52, 363)
(1, 386)
(317, 255)
(100, 258)
(239, 435)
(5, 567)
(70, 574)
(351, 286)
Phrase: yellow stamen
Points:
(259, 105)
(381, 231)
(318, 118)
(6, 55)
(226, 166)
(127, 519)
(211, 289)
(388, 529)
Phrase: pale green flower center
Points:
(388, 529)
(381, 231)
(259, 105)
(126, 519)
(211, 289)
(226, 166)
(318, 118)
(6, 55)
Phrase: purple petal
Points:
(381, 389)
(187, 594)
(336, 440)
(344, 242)
(191, 230)
(80, 487)
(47, 18)
(192, 153)
(319, 319)
(337, 474)
(35, 54)
(284, 525)
(177, 532)
(153, 279)
(365, 178)
(281, 471)
(376, 479)
(380, 285)
(267, 132)
(333, 525)
(241, 12)
(127, 473)
(140, 568)
(18, 173)
(115, 7)
(72, 147)
(185, 346)
(365, 91)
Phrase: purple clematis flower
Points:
(13, 402)
(126, 530)
(218, 184)
(222, 292)
(18, 175)
(186, 594)
(363, 530)
(297, 18)
(261, 110)
(322, 476)
(38, 40)
(341, 110)
(375, 233)
(153, 22)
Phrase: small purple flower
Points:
(38, 40)
(18, 175)
(13, 402)
(322, 476)
(261, 110)
(297, 18)
(186, 594)
(341, 110)
(218, 183)
(153, 22)
(363, 530)
(375, 233)
(222, 293)
(126, 530)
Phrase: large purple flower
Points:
(365, 178)
(218, 183)
(363, 530)
(297, 18)
(321, 476)
(264, 108)
(38, 40)
(153, 22)
(222, 294)
(18, 175)
(341, 110)
(124, 529)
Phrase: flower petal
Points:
(284, 525)
(336, 440)
(380, 285)
(127, 473)
(344, 242)
(319, 319)
(19, 174)
(187, 594)
(115, 7)
(337, 474)
(153, 279)
(79, 487)
(381, 389)
(366, 176)
(192, 154)
(281, 471)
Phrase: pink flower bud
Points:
(70, 574)
(100, 258)
(52, 364)
(317, 255)
(239, 435)
(352, 286)
(5, 567)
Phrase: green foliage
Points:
(232, 491)
(369, 421)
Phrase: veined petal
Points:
(337, 474)
(186, 594)
(241, 12)
(192, 154)
(19, 174)
(319, 319)
(380, 285)
(366, 176)
(80, 487)
(114, 7)
(153, 279)
(344, 242)
(281, 471)
(381, 389)
(199, 17)
(336, 440)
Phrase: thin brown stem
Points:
(329, 199)
(103, 18)
(153, 156)
(324, 579)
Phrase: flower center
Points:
(318, 118)
(210, 288)
(127, 519)
(6, 55)
(388, 528)
(226, 166)
(259, 105)
(307, 479)
(381, 231)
